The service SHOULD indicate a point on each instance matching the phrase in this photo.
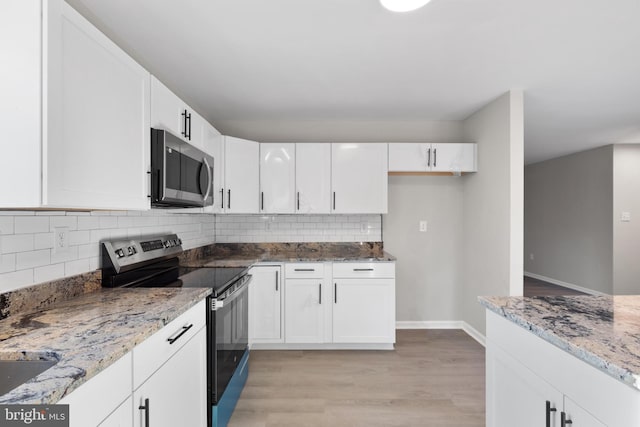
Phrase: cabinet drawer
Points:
(301, 270)
(157, 349)
(349, 270)
(85, 408)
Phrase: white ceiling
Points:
(578, 61)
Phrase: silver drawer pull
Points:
(363, 269)
(180, 333)
(304, 269)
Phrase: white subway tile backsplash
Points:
(88, 223)
(64, 255)
(31, 224)
(16, 279)
(70, 222)
(33, 259)
(43, 241)
(17, 243)
(76, 267)
(48, 272)
(7, 263)
(79, 237)
(6, 225)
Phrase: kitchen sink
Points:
(17, 372)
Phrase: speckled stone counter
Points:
(85, 335)
(246, 254)
(603, 331)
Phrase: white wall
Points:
(428, 269)
(626, 235)
(568, 218)
(493, 207)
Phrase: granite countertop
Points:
(86, 334)
(247, 254)
(603, 331)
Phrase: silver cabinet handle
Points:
(335, 293)
(304, 269)
(298, 200)
(435, 156)
(145, 408)
(319, 293)
(334, 200)
(363, 269)
(222, 198)
(229, 199)
(429, 157)
(276, 280)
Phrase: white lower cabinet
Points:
(530, 382)
(121, 417)
(175, 395)
(307, 303)
(265, 304)
(164, 378)
(325, 305)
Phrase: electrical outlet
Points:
(531, 257)
(625, 217)
(61, 239)
(423, 226)
(364, 227)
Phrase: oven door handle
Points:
(217, 303)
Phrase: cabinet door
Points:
(453, 157)
(305, 300)
(408, 157)
(364, 311)
(313, 178)
(214, 145)
(96, 141)
(517, 396)
(166, 109)
(177, 392)
(277, 178)
(265, 305)
(121, 417)
(21, 103)
(241, 169)
(578, 416)
(359, 178)
(197, 128)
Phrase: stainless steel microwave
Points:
(181, 174)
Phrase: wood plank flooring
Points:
(433, 378)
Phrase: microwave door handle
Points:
(209, 180)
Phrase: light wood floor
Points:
(433, 378)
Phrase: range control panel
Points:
(128, 253)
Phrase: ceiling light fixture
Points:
(403, 5)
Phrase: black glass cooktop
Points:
(207, 277)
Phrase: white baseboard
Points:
(564, 284)
(443, 324)
(474, 333)
(429, 324)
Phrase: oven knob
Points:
(130, 251)
(166, 243)
(179, 241)
(119, 253)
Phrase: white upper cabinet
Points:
(277, 178)
(214, 145)
(415, 157)
(171, 113)
(83, 104)
(242, 177)
(359, 178)
(313, 178)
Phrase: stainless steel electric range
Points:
(153, 261)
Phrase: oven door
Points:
(182, 175)
(230, 328)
